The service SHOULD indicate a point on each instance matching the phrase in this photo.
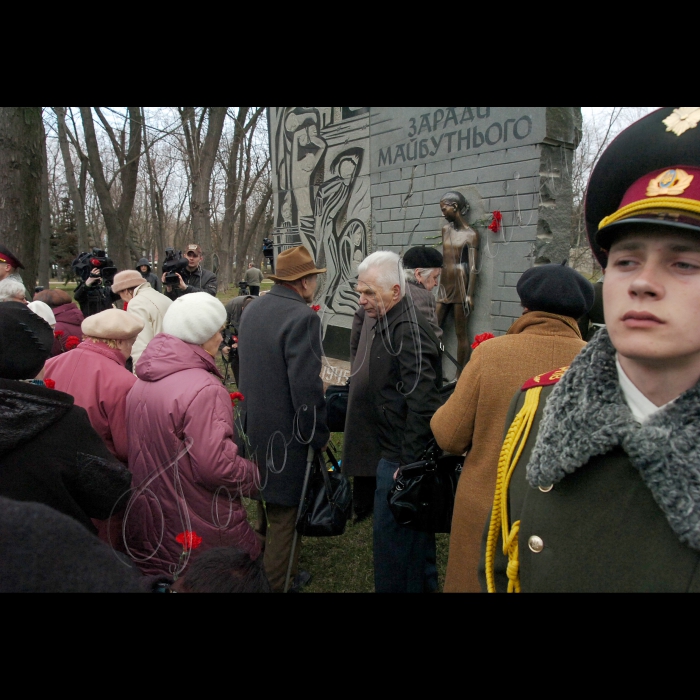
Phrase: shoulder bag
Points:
(327, 502)
(423, 494)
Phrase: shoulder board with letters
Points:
(546, 379)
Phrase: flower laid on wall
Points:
(495, 224)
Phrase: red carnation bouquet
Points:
(236, 396)
(189, 540)
(495, 224)
(481, 338)
(316, 307)
(49, 383)
(71, 342)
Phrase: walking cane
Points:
(309, 462)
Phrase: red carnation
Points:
(49, 383)
(58, 334)
(72, 342)
(236, 396)
(482, 337)
(126, 303)
(189, 540)
(316, 307)
(495, 224)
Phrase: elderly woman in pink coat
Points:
(188, 475)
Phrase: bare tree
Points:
(21, 147)
(45, 231)
(201, 154)
(76, 188)
(116, 215)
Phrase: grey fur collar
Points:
(586, 415)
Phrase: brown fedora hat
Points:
(294, 263)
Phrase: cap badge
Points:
(675, 181)
(682, 119)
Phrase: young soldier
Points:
(606, 493)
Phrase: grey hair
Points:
(423, 272)
(11, 288)
(390, 269)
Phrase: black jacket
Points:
(50, 454)
(198, 281)
(404, 379)
(279, 346)
(94, 299)
(149, 276)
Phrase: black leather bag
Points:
(337, 407)
(423, 495)
(328, 501)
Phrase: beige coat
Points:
(473, 419)
(150, 306)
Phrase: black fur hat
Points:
(557, 289)
(25, 341)
(422, 256)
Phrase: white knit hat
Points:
(194, 318)
(43, 310)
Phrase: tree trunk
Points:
(116, 219)
(45, 232)
(20, 185)
(76, 193)
(201, 157)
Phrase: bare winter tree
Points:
(117, 214)
(21, 149)
(201, 149)
(76, 187)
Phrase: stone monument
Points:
(351, 180)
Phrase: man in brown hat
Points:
(194, 277)
(279, 344)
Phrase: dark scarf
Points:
(586, 415)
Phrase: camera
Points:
(173, 264)
(84, 264)
(242, 288)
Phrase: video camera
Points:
(242, 288)
(85, 263)
(173, 264)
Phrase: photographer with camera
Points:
(96, 272)
(191, 277)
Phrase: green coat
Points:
(611, 522)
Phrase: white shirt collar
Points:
(642, 409)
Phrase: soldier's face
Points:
(5, 271)
(651, 297)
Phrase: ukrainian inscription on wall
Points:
(440, 133)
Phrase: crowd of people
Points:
(579, 433)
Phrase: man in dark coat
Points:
(284, 411)
(194, 277)
(144, 267)
(49, 452)
(403, 390)
(605, 496)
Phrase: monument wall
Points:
(351, 180)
